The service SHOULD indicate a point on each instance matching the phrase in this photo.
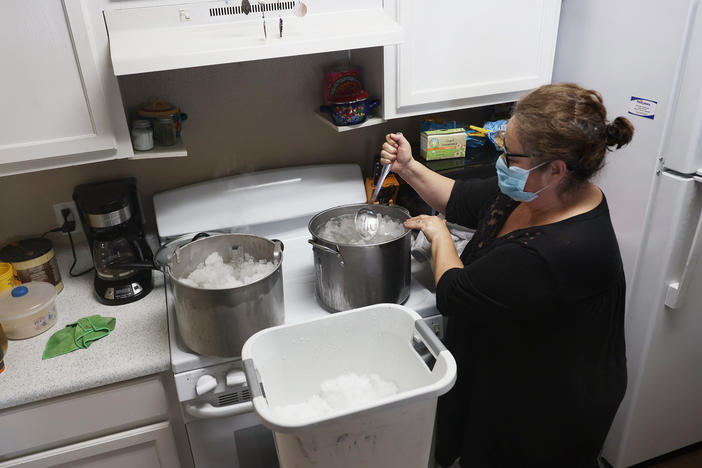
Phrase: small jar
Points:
(142, 135)
(164, 131)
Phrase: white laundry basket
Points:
(285, 365)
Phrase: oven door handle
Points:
(207, 411)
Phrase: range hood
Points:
(167, 37)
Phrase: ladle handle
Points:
(383, 175)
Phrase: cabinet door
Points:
(148, 446)
(459, 53)
(52, 98)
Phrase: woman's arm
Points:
(443, 250)
(444, 256)
(434, 188)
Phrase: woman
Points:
(536, 300)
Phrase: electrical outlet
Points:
(71, 205)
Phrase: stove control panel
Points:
(222, 378)
(235, 378)
(229, 376)
(205, 383)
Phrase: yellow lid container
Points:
(7, 276)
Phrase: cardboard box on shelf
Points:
(443, 144)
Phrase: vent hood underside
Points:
(159, 38)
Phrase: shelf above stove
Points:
(149, 39)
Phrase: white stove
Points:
(275, 204)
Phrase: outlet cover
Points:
(71, 205)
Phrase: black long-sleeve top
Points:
(537, 328)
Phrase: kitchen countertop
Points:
(138, 346)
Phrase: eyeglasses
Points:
(505, 154)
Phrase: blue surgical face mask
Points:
(513, 179)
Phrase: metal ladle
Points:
(366, 219)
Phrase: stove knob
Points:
(235, 377)
(205, 384)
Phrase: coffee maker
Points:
(112, 218)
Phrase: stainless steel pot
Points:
(349, 275)
(217, 322)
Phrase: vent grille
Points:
(234, 397)
(255, 8)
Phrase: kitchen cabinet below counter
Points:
(110, 405)
(137, 347)
(120, 425)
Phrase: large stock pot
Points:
(348, 276)
(217, 322)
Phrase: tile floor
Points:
(689, 457)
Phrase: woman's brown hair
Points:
(565, 121)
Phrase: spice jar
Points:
(164, 131)
(142, 135)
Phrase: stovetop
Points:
(300, 301)
(275, 204)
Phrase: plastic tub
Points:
(28, 310)
(286, 365)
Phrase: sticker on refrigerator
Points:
(645, 108)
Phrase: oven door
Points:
(236, 441)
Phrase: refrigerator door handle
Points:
(675, 295)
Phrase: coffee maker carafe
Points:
(111, 216)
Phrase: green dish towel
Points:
(78, 335)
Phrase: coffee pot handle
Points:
(143, 253)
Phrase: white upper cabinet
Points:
(53, 103)
(465, 53)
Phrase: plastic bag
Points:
(421, 247)
(496, 134)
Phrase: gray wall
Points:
(242, 117)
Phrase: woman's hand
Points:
(443, 250)
(397, 151)
(433, 227)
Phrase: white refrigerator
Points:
(645, 57)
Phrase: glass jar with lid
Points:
(157, 109)
(164, 131)
(142, 135)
